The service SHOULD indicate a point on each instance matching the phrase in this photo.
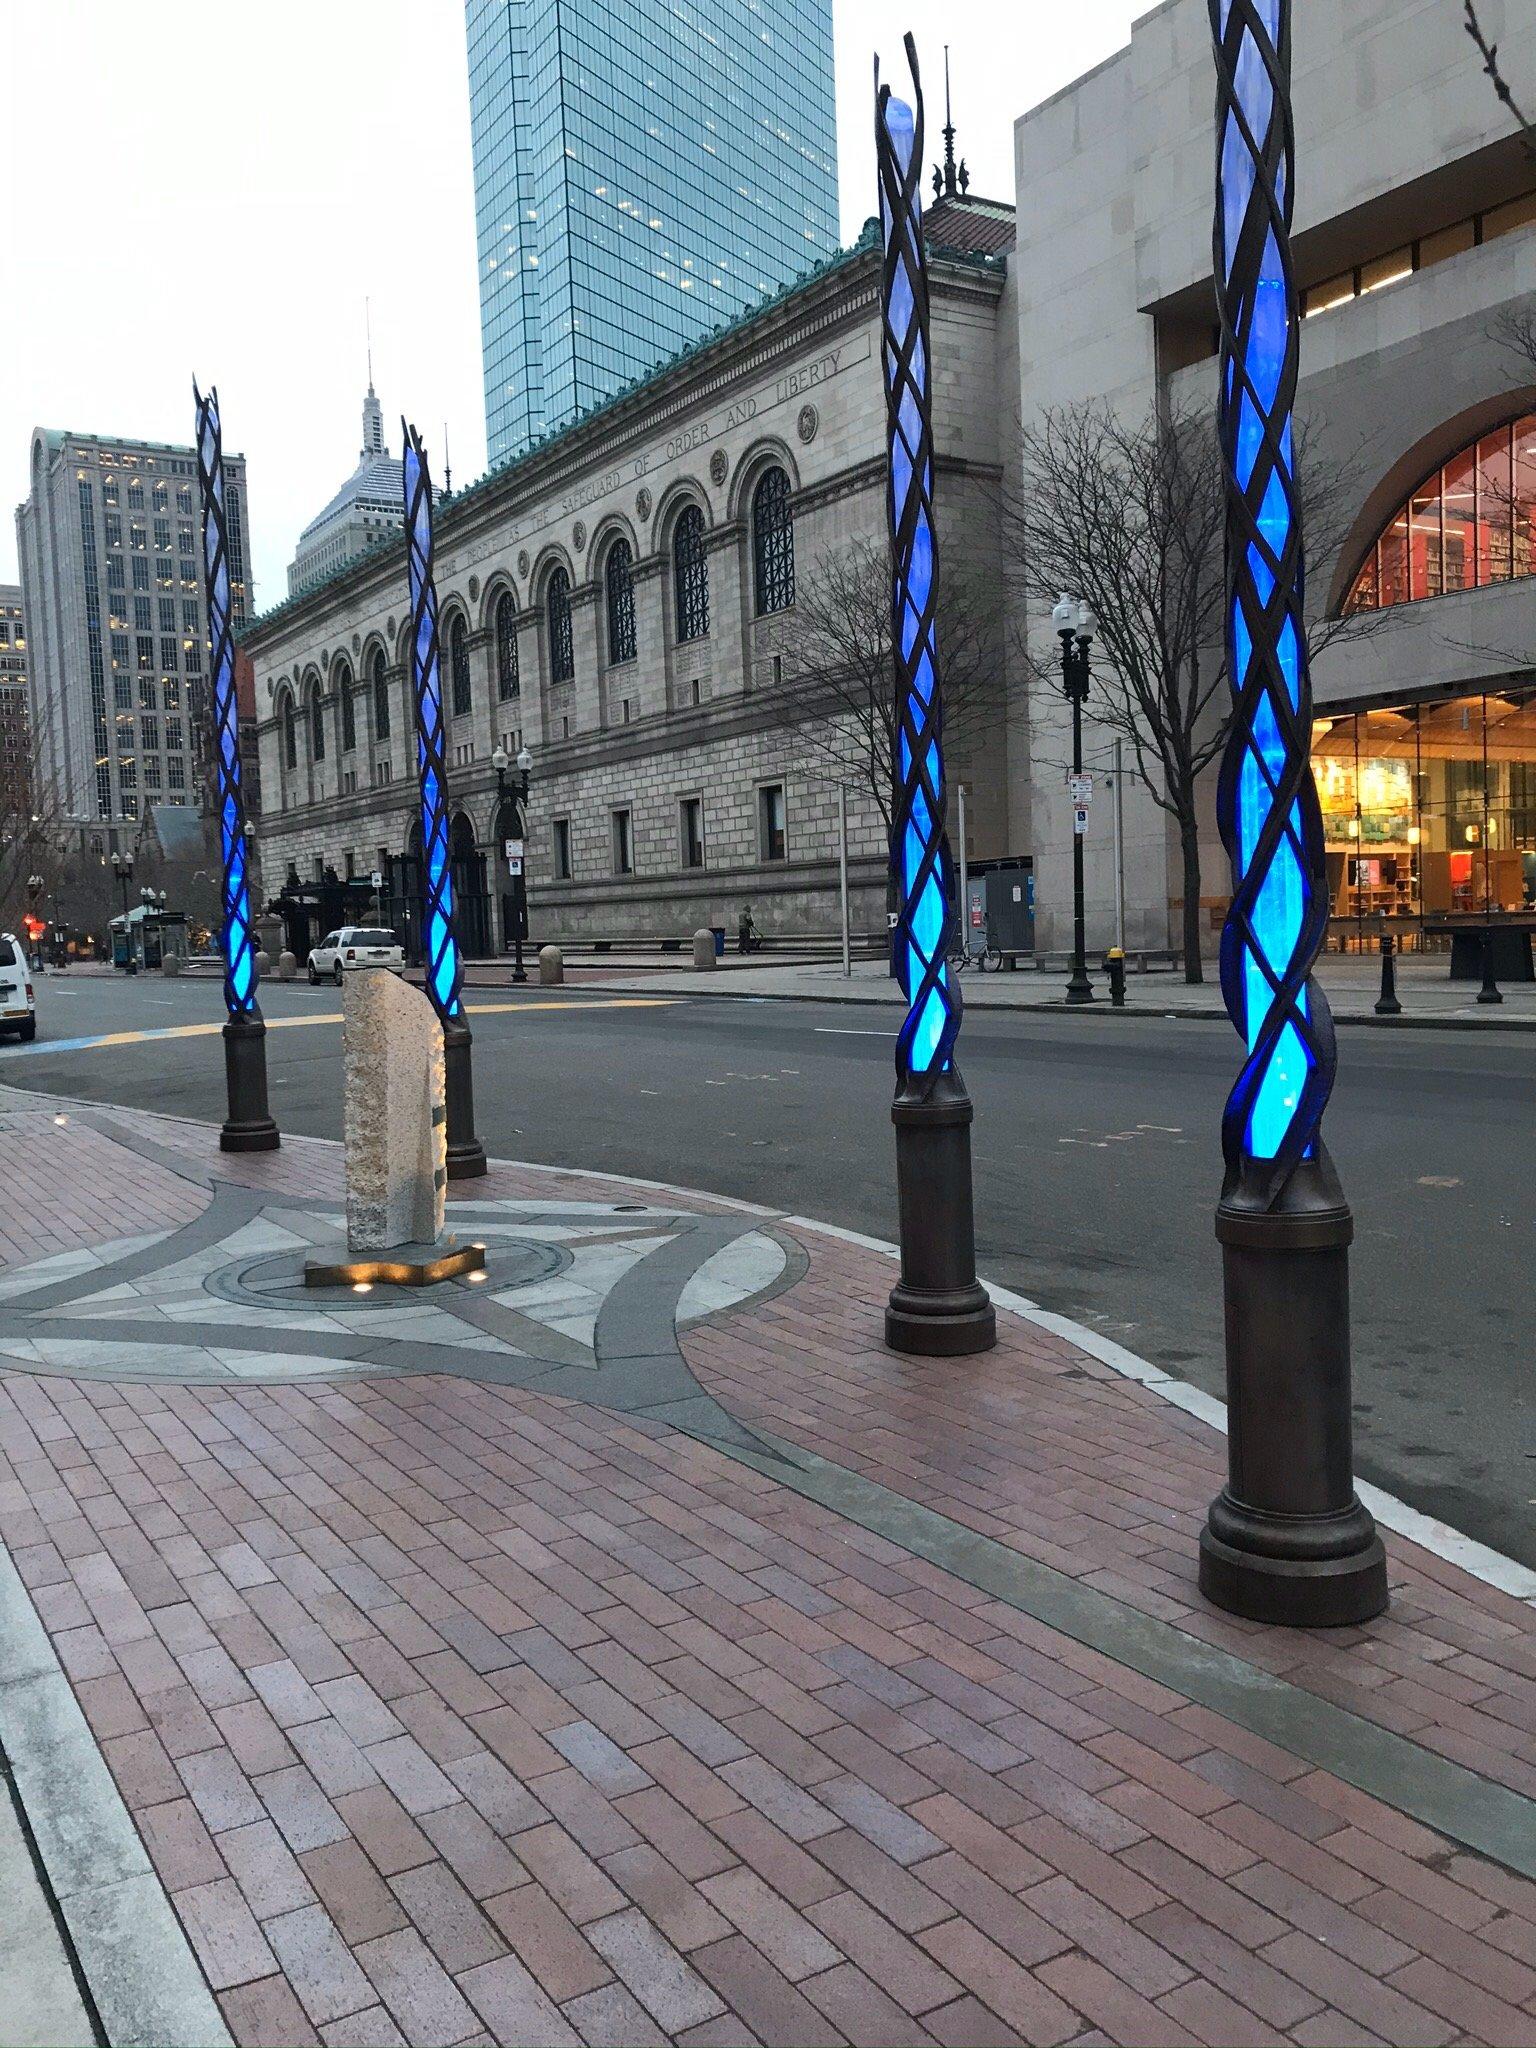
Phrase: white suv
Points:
(18, 1005)
(355, 945)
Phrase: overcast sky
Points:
(217, 187)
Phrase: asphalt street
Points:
(1097, 1164)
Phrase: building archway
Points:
(401, 907)
(471, 902)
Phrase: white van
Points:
(18, 1005)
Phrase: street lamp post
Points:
(1287, 1540)
(1074, 623)
(938, 1307)
(440, 946)
(500, 761)
(122, 867)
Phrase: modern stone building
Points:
(365, 511)
(111, 570)
(623, 600)
(15, 709)
(1415, 247)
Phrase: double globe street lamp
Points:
(1074, 621)
(122, 867)
(501, 761)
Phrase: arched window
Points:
(290, 735)
(458, 667)
(316, 727)
(348, 710)
(620, 581)
(562, 653)
(1470, 523)
(773, 544)
(380, 697)
(507, 684)
(690, 576)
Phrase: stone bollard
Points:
(551, 966)
(287, 965)
(170, 963)
(704, 948)
(263, 962)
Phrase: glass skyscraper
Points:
(644, 169)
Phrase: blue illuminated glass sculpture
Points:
(444, 969)
(920, 850)
(938, 1306)
(1286, 1540)
(249, 1127)
(442, 961)
(1267, 801)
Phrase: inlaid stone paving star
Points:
(579, 1298)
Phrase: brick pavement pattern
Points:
(454, 1713)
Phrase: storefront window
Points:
(1429, 812)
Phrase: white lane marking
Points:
(844, 1031)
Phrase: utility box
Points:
(1010, 908)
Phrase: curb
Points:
(1056, 1007)
(1506, 1574)
(126, 1941)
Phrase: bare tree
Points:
(1516, 330)
(1130, 516)
(839, 696)
(1489, 52)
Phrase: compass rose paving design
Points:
(579, 1298)
(625, 1647)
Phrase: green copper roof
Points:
(450, 501)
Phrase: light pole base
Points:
(1287, 1541)
(466, 1154)
(1293, 1592)
(249, 1126)
(1079, 987)
(938, 1308)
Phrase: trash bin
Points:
(719, 932)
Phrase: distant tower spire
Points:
(373, 412)
(447, 465)
(949, 135)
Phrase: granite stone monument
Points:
(395, 1140)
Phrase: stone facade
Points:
(1400, 145)
(620, 747)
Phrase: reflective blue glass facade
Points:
(644, 169)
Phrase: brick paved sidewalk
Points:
(452, 1710)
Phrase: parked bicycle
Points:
(975, 951)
